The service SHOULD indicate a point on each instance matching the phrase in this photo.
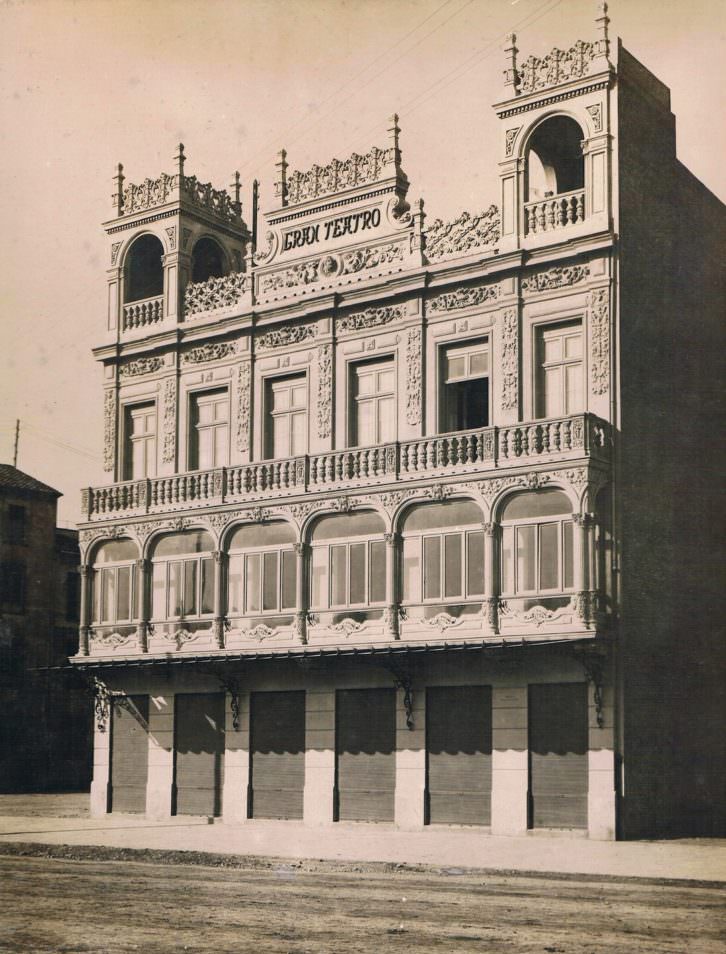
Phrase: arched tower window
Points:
(144, 269)
(207, 261)
(555, 162)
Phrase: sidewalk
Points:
(697, 859)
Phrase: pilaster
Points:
(236, 758)
(160, 784)
(410, 759)
(510, 768)
(319, 757)
(100, 785)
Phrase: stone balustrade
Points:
(554, 212)
(140, 314)
(581, 435)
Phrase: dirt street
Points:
(53, 903)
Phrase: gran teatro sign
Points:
(336, 228)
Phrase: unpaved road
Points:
(256, 905)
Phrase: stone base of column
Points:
(490, 613)
(100, 792)
(601, 795)
(390, 621)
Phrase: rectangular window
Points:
(182, 588)
(140, 441)
(373, 405)
(560, 370)
(465, 386)
(542, 561)
(15, 524)
(377, 572)
(453, 566)
(12, 587)
(209, 430)
(475, 563)
(286, 401)
(235, 569)
(432, 568)
(113, 594)
(356, 571)
(269, 582)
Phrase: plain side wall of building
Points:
(670, 473)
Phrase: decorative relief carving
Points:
(596, 116)
(110, 640)
(132, 369)
(169, 421)
(325, 390)
(509, 139)
(215, 293)
(557, 67)
(327, 267)
(299, 512)
(261, 632)
(414, 380)
(244, 393)
(599, 307)
(370, 318)
(510, 359)
(109, 428)
(346, 627)
(438, 491)
(285, 335)
(155, 192)
(209, 351)
(114, 252)
(536, 616)
(463, 298)
(442, 621)
(180, 637)
(465, 234)
(339, 175)
(171, 235)
(558, 277)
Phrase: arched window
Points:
(554, 159)
(207, 260)
(114, 585)
(348, 563)
(443, 552)
(144, 269)
(262, 569)
(537, 544)
(183, 576)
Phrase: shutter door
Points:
(366, 754)
(129, 754)
(459, 754)
(558, 755)
(199, 752)
(277, 754)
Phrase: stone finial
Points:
(281, 183)
(255, 207)
(602, 22)
(235, 187)
(394, 131)
(511, 76)
(118, 196)
(180, 159)
(419, 217)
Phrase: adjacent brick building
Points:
(414, 523)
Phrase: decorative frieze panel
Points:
(599, 321)
(596, 116)
(510, 359)
(285, 335)
(339, 175)
(559, 66)
(139, 366)
(209, 351)
(509, 140)
(171, 236)
(215, 293)
(114, 252)
(244, 399)
(370, 318)
(109, 428)
(414, 378)
(559, 277)
(152, 193)
(169, 421)
(464, 235)
(463, 298)
(325, 390)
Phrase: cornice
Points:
(539, 98)
(179, 208)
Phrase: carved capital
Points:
(390, 621)
(300, 549)
(489, 529)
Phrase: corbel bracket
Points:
(402, 680)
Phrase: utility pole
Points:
(17, 439)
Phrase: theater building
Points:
(407, 522)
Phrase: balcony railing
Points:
(139, 314)
(554, 212)
(582, 435)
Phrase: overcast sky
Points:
(90, 83)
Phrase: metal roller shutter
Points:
(459, 754)
(277, 754)
(558, 755)
(199, 752)
(365, 754)
(129, 754)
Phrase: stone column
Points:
(160, 784)
(510, 769)
(391, 612)
(319, 756)
(235, 796)
(301, 614)
(581, 563)
(143, 571)
(601, 804)
(220, 562)
(410, 758)
(84, 630)
(491, 614)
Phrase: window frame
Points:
(98, 593)
(245, 554)
(16, 530)
(127, 462)
(467, 346)
(347, 542)
(384, 362)
(269, 384)
(540, 330)
(194, 462)
(464, 532)
(184, 559)
(10, 569)
(537, 523)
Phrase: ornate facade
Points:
(359, 557)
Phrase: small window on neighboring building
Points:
(560, 370)
(286, 402)
(12, 587)
(140, 441)
(373, 403)
(465, 377)
(209, 430)
(15, 523)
